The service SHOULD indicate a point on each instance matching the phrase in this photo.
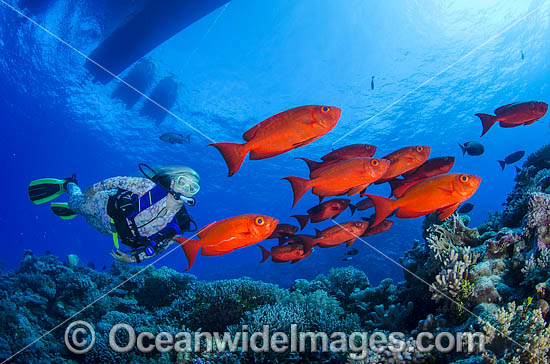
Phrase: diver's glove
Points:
(139, 255)
(131, 257)
(122, 256)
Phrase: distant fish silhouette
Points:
(372, 83)
(104, 267)
(347, 259)
(175, 138)
(467, 207)
(352, 251)
(522, 55)
(472, 148)
(512, 158)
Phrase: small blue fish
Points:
(352, 251)
(522, 55)
(372, 83)
(467, 207)
(175, 138)
(472, 148)
(512, 158)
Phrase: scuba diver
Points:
(141, 213)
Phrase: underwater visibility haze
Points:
(344, 165)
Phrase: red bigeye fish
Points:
(515, 114)
(404, 160)
(432, 167)
(347, 152)
(335, 235)
(443, 194)
(285, 253)
(380, 228)
(324, 211)
(283, 231)
(297, 238)
(224, 236)
(280, 133)
(349, 176)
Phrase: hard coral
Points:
(539, 218)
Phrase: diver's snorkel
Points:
(178, 196)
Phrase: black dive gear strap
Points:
(124, 206)
(156, 179)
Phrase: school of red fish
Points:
(421, 186)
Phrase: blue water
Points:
(441, 61)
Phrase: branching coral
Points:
(391, 318)
(537, 269)
(540, 159)
(518, 334)
(454, 231)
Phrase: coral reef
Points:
(493, 279)
(538, 218)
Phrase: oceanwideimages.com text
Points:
(80, 338)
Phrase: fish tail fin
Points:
(190, 247)
(188, 138)
(312, 165)
(502, 164)
(299, 186)
(383, 208)
(463, 148)
(302, 219)
(352, 208)
(308, 243)
(265, 253)
(395, 184)
(282, 241)
(233, 154)
(487, 121)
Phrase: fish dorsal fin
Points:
(251, 133)
(501, 109)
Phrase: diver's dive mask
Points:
(186, 185)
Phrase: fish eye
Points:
(259, 221)
(325, 109)
(375, 162)
(419, 149)
(464, 178)
(358, 224)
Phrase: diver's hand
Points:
(122, 256)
